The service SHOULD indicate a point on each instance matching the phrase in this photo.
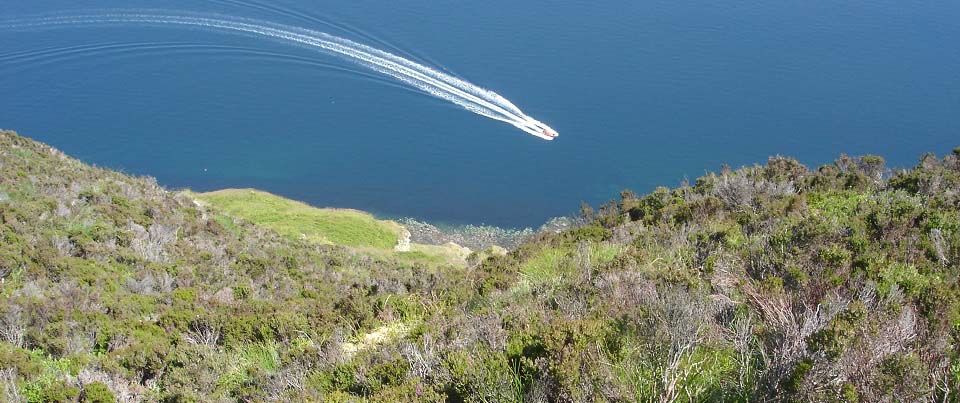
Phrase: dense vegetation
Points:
(771, 282)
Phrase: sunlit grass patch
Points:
(382, 335)
(603, 253)
(547, 265)
(296, 220)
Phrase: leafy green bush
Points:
(97, 392)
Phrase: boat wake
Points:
(423, 78)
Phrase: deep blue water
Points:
(643, 93)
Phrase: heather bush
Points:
(764, 283)
(97, 392)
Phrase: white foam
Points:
(437, 83)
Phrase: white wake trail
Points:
(431, 81)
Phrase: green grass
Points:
(259, 356)
(553, 263)
(263, 355)
(297, 220)
(228, 223)
(548, 264)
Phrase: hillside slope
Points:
(110, 279)
(355, 229)
(297, 220)
(772, 282)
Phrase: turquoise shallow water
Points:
(643, 93)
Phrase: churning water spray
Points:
(431, 81)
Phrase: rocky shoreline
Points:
(478, 237)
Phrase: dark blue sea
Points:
(643, 93)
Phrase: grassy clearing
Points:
(341, 227)
(297, 220)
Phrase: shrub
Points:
(781, 169)
(58, 393)
(849, 394)
(763, 283)
(386, 375)
(97, 392)
(410, 391)
(588, 233)
(834, 255)
(906, 276)
(794, 383)
(903, 377)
